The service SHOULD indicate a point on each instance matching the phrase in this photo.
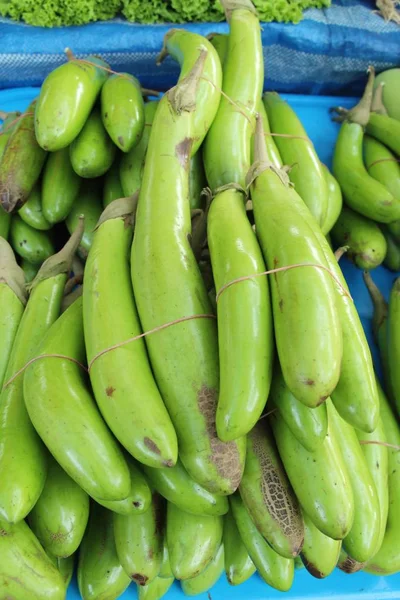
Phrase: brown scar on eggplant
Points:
(151, 445)
(140, 579)
(110, 390)
(182, 152)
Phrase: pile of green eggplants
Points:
(246, 430)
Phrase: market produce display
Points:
(186, 386)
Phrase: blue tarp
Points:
(327, 53)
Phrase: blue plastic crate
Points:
(313, 111)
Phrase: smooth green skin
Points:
(60, 516)
(31, 244)
(184, 47)
(184, 358)
(60, 186)
(156, 589)
(26, 570)
(238, 565)
(165, 569)
(320, 479)
(361, 541)
(268, 496)
(32, 211)
(21, 163)
(361, 192)
(386, 130)
(176, 485)
(23, 460)
(320, 553)
(245, 326)
(92, 152)
(220, 43)
(65, 566)
(132, 163)
(270, 146)
(139, 498)
(122, 110)
(87, 203)
(387, 560)
(193, 541)
(10, 316)
(275, 570)
(309, 318)
(100, 574)
(306, 173)
(335, 201)
(387, 171)
(393, 341)
(391, 79)
(207, 578)
(197, 181)
(377, 459)
(122, 379)
(392, 257)
(242, 82)
(65, 101)
(112, 188)
(308, 425)
(365, 240)
(30, 270)
(65, 416)
(356, 395)
(139, 542)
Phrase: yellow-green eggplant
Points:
(13, 296)
(238, 564)
(87, 203)
(192, 541)
(156, 589)
(122, 110)
(320, 479)
(65, 416)
(387, 559)
(243, 77)
(21, 163)
(361, 541)
(100, 573)
(386, 130)
(275, 570)
(65, 566)
(32, 211)
(393, 342)
(366, 242)
(270, 146)
(361, 192)
(139, 498)
(60, 186)
(139, 542)
(92, 152)
(26, 570)
(308, 425)
(121, 379)
(306, 173)
(184, 357)
(176, 485)
(66, 99)
(132, 163)
(335, 200)
(205, 580)
(31, 244)
(268, 496)
(245, 326)
(23, 463)
(308, 318)
(112, 188)
(60, 516)
(320, 553)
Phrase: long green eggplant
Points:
(156, 589)
(382, 165)
(60, 186)
(205, 580)
(320, 553)
(268, 496)
(23, 464)
(335, 200)
(65, 416)
(184, 357)
(238, 564)
(92, 152)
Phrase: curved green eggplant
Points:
(60, 516)
(382, 165)
(386, 130)
(60, 186)
(92, 152)
(32, 211)
(238, 565)
(66, 99)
